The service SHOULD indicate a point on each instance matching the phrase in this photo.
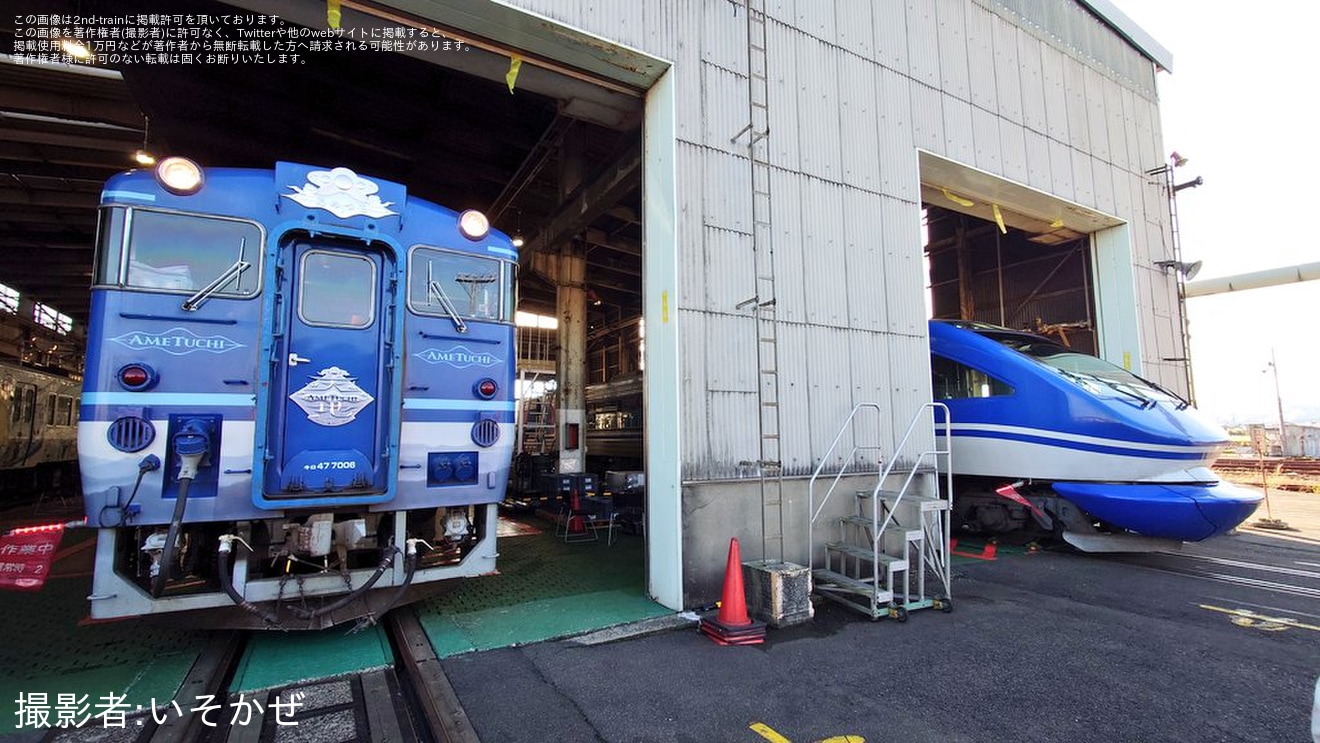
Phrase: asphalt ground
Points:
(1220, 642)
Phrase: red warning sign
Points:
(26, 555)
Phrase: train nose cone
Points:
(1226, 505)
(1186, 512)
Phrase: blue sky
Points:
(1237, 104)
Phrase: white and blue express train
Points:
(1048, 438)
(298, 398)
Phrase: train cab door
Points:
(328, 433)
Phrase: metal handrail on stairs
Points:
(932, 556)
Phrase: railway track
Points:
(1274, 466)
(410, 701)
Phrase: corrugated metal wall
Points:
(1036, 91)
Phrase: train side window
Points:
(184, 252)
(952, 380)
(62, 411)
(24, 406)
(110, 245)
(337, 289)
(475, 286)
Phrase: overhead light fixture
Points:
(518, 239)
(1178, 160)
(76, 48)
(1188, 270)
(1197, 181)
(143, 156)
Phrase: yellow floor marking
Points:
(765, 731)
(1248, 618)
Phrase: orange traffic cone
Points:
(575, 524)
(733, 626)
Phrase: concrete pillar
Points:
(571, 307)
(571, 369)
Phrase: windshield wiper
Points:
(231, 273)
(1077, 376)
(433, 288)
(1146, 402)
(1183, 403)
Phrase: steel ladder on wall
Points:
(894, 541)
(769, 463)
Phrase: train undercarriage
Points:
(301, 572)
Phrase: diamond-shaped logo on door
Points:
(332, 398)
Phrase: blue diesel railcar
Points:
(298, 399)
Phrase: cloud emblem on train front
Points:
(341, 192)
(176, 342)
(459, 357)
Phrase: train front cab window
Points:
(951, 380)
(168, 251)
(477, 287)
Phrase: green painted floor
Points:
(275, 659)
(545, 589)
(49, 648)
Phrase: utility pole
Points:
(1278, 398)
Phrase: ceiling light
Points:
(76, 49)
(143, 156)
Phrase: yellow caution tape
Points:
(332, 14)
(957, 199)
(515, 63)
(999, 219)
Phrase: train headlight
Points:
(179, 175)
(473, 224)
(137, 377)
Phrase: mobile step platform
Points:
(890, 555)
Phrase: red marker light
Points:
(136, 377)
(487, 388)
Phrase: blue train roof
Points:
(295, 191)
(1057, 389)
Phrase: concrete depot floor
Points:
(1220, 642)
